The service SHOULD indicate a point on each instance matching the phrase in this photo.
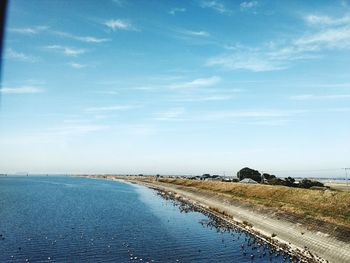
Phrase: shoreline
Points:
(316, 246)
(302, 254)
(292, 237)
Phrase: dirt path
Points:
(292, 233)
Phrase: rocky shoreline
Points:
(220, 220)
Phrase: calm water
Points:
(65, 219)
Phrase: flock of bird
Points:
(251, 245)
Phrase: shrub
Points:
(268, 177)
(277, 181)
(306, 183)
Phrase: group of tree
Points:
(249, 173)
(273, 180)
(255, 175)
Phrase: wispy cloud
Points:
(107, 92)
(272, 56)
(204, 98)
(86, 39)
(334, 33)
(328, 38)
(272, 117)
(196, 33)
(344, 109)
(68, 51)
(320, 97)
(111, 108)
(197, 83)
(146, 88)
(28, 30)
(39, 29)
(177, 10)
(279, 56)
(15, 55)
(77, 65)
(119, 24)
(251, 114)
(257, 61)
(21, 90)
(248, 4)
(75, 129)
(170, 115)
(215, 5)
(321, 20)
(278, 122)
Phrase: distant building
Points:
(248, 181)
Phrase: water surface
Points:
(67, 219)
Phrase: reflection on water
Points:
(55, 219)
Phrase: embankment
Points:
(311, 219)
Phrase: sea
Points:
(74, 219)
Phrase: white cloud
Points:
(76, 129)
(273, 122)
(215, 5)
(90, 39)
(196, 83)
(327, 20)
(86, 39)
(176, 10)
(29, 30)
(172, 114)
(146, 88)
(204, 98)
(21, 90)
(77, 65)
(111, 108)
(248, 5)
(258, 117)
(68, 51)
(252, 61)
(320, 97)
(197, 33)
(250, 114)
(334, 33)
(39, 29)
(118, 24)
(15, 55)
(279, 56)
(329, 38)
(108, 92)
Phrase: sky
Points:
(176, 87)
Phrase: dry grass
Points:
(331, 206)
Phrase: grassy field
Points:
(330, 206)
(339, 186)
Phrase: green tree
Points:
(268, 177)
(289, 181)
(249, 173)
(306, 183)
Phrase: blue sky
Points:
(176, 87)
